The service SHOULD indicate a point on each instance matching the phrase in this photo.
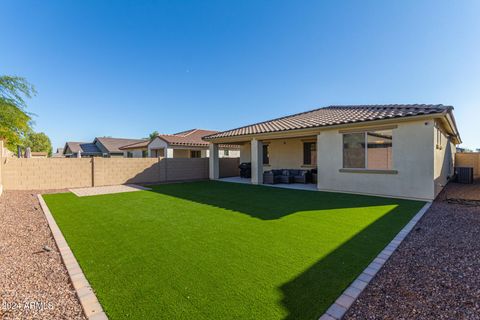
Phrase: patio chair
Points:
(285, 177)
(299, 176)
(272, 176)
(268, 177)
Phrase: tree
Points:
(153, 135)
(38, 142)
(15, 122)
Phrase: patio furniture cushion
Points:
(277, 172)
(300, 176)
(284, 178)
(268, 177)
(295, 172)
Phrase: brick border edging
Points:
(340, 307)
(90, 305)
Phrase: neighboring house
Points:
(110, 147)
(86, 150)
(404, 151)
(136, 150)
(58, 153)
(185, 144)
(100, 147)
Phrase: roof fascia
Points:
(317, 130)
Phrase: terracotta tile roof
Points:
(334, 115)
(192, 138)
(113, 144)
(137, 145)
(84, 147)
(188, 138)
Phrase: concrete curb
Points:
(340, 307)
(91, 307)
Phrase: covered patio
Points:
(288, 160)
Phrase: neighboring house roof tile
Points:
(113, 144)
(136, 145)
(188, 138)
(334, 115)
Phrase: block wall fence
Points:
(469, 159)
(62, 173)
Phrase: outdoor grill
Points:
(245, 170)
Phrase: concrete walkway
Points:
(94, 191)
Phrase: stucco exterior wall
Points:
(286, 154)
(245, 153)
(116, 155)
(157, 143)
(444, 158)
(283, 153)
(181, 153)
(231, 153)
(135, 154)
(413, 158)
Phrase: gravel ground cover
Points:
(34, 283)
(435, 273)
(457, 191)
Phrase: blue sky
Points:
(127, 68)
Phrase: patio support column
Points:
(257, 161)
(318, 160)
(213, 164)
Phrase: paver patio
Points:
(94, 191)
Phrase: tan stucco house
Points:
(185, 144)
(404, 151)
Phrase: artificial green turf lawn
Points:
(217, 250)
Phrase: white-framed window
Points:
(226, 152)
(368, 150)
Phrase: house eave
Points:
(317, 130)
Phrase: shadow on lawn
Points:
(266, 203)
(311, 293)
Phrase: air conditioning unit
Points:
(464, 174)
